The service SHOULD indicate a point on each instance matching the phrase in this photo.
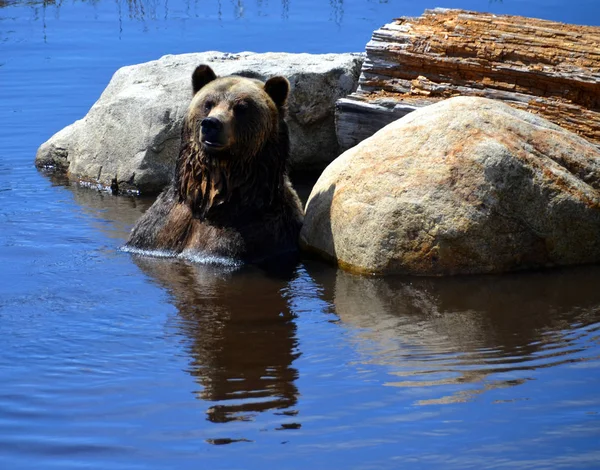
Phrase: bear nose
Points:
(211, 124)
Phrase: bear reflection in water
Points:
(231, 196)
(242, 335)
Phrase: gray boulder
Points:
(467, 185)
(130, 136)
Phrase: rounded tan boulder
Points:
(467, 185)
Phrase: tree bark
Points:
(544, 67)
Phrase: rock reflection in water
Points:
(112, 215)
(242, 332)
(466, 335)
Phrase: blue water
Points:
(110, 360)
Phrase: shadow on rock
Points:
(317, 225)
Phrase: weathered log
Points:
(544, 67)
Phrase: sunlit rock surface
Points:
(130, 136)
(467, 185)
(540, 66)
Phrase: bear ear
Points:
(278, 88)
(201, 76)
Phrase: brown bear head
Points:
(235, 116)
(234, 141)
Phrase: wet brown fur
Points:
(235, 202)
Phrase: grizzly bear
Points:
(231, 196)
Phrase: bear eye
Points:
(240, 107)
(208, 105)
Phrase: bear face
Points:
(235, 116)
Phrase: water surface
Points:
(110, 360)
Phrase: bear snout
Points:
(211, 123)
(213, 135)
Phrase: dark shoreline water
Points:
(110, 360)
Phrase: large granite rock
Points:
(130, 136)
(467, 185)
